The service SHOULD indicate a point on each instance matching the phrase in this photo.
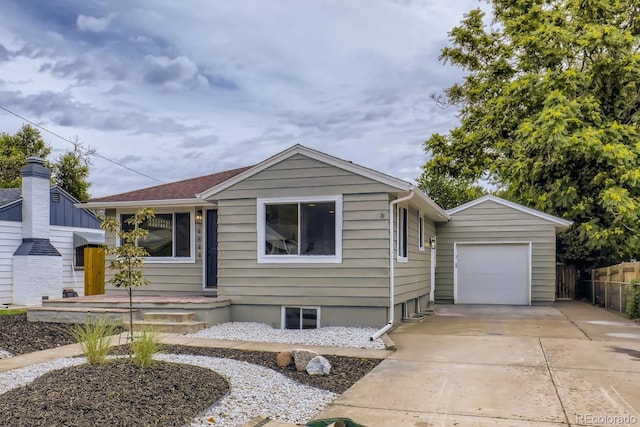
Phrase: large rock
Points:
(301, 357)
(284, 358)
(319, 365)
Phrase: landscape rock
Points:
(4, 354)
(301, 357)
(284, 358)
(319, 365)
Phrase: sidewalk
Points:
(72, 350)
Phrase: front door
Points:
(212, 249)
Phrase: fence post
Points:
(593, 286)
(606, 294)
(620, 297)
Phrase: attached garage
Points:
(494, 251)
(493, 273)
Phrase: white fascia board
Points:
(143, 203)
(430, 208)
(560, 223)
(316, 155)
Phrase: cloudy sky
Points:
(179, 89)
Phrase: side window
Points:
(403, 233)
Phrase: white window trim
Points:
(399, 238)
(168, 260)
(283, 317)
(298, 259)
(421, 234)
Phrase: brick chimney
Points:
(37, 264)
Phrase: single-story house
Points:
(42, 238)
(304, 239)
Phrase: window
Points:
(300, 317)
(78, 263)
(169, 235)
(403, 231)
(420, 232)
(300, 230)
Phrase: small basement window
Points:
(300, 317)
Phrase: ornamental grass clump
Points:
(94, 338)
(144, 347)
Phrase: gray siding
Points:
(165, 278)
(493, 222)
(362, 279)
(412, 278)
(301, 176)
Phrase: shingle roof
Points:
(9, 195)
(186, 189)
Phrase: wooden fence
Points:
(94, 265)
(624, 273)
(610, 285)
(566, 282)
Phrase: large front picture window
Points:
(169, 235)
(306, 230)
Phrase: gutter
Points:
(392, 281)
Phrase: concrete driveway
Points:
(465, 365)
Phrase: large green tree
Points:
(549, 111)
(70, 171)
(14, 150)
(449, 192)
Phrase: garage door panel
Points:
(493, 274)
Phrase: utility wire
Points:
(75, 144)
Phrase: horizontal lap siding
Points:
(62, 238)
(164, 277)
(10, 239)
(300, 176)
(492, 222)
(412, 277)
(362, 279)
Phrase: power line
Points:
(75, 144)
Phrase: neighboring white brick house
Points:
(40, 232)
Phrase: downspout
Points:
(392, 281)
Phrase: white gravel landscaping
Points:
(334, 336)
(4, 354)
(254, 390)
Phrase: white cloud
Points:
(91, 24)
(198, 88)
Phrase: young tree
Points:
(549, 110)
(128, 261)
(71, 172)
(449, 192)
(14, 150)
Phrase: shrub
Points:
(94, 338)
(144, 347)
(633, 300)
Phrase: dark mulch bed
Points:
(19, 336)
(345, 371)
(114, 394)
(119, 394)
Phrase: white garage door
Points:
(492, 274)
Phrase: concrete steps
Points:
(76, 314)
(182, 322)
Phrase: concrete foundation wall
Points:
(373, 317)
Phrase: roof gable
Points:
(401, 185)
(560, 223)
